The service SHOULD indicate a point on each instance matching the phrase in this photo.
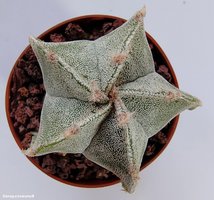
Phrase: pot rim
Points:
(94, 183)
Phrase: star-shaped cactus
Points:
(104, 99)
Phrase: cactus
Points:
(104, 99)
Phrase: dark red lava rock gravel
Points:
(26, 99)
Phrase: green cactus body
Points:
(104, 99)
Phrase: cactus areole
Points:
(104, 99)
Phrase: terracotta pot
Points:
(44, 36)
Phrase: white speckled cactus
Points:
(104, 99)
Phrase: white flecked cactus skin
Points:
(104, 99)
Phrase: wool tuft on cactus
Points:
(104, 99)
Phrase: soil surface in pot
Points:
(26, 99)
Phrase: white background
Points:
(185, 31)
